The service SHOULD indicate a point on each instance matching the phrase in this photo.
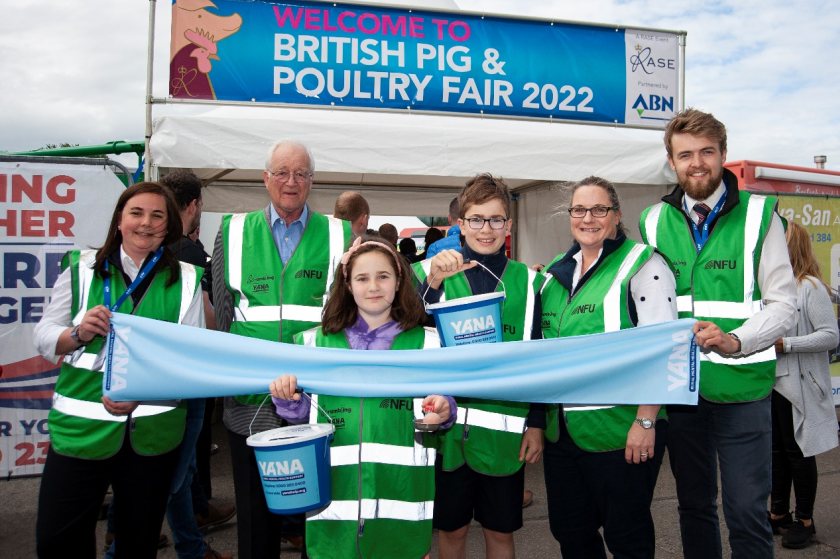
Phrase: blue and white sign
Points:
(353, 55)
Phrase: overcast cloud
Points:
(75, 71)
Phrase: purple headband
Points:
(357, 244)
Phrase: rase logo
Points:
(644, 60)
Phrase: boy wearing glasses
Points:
(479, 470)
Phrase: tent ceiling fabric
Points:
(365, 148)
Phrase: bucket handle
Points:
(488, 270)
(299, 391)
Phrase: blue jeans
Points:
(189, 542)
(738, 436)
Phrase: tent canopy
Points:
(405, 151)
(413, 164)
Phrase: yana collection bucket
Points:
(294, 465)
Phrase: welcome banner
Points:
(153, 360)
(372, 57)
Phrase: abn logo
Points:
(653, 103)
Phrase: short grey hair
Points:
(288, 143)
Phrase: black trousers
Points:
(588, 490)
(71, 495)
(789, 465)
(258, 530)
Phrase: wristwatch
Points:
(644, 422)
(74, 335)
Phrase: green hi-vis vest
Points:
(601, 304)
(487, 434)
(272, 301)
(79, 424)
(720, 284)
(383, 478)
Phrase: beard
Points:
(702, 188)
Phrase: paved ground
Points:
(18, 499)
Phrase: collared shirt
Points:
(287, 237)
(711, 201)
(775, 279)
(57, 318)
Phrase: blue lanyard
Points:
(701, 234)
(140, 277)
(113, 308)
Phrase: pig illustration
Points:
(195, 36)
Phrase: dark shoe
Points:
(216, 516)
(798, 535)
(780, 525)
(527, 498)
(213, 554)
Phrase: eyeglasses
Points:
(596, 211)
(283, 175)
(478, 222)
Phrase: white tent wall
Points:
(541, 226)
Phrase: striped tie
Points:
(702, 211)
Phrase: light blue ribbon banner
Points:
(154, 360)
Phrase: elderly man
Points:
(353, 207)
(733, 275)
(272, 270)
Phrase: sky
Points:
(75, 72)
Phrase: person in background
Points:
(351, 206)
(188, 505)
(601, 473)
(804, 423)
(91, 444)
(727, 248)
(453, 236)
(388, 232)
(408, 248)
(480, 472)
(432, 235)
(382, 496)
(271, 263)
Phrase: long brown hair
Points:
(341, 310)
(802, 254)
(174, 228)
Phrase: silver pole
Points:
(150, 171)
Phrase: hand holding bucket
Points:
(467, 320)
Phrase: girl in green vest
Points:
(97, 442)
(602, 471)
(382, 473)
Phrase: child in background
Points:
(382, 474)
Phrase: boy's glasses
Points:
(478, 222)
(596, 211)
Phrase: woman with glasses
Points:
(602, 471)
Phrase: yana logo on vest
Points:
(721, 265)
(259, 284)
(309, 274)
